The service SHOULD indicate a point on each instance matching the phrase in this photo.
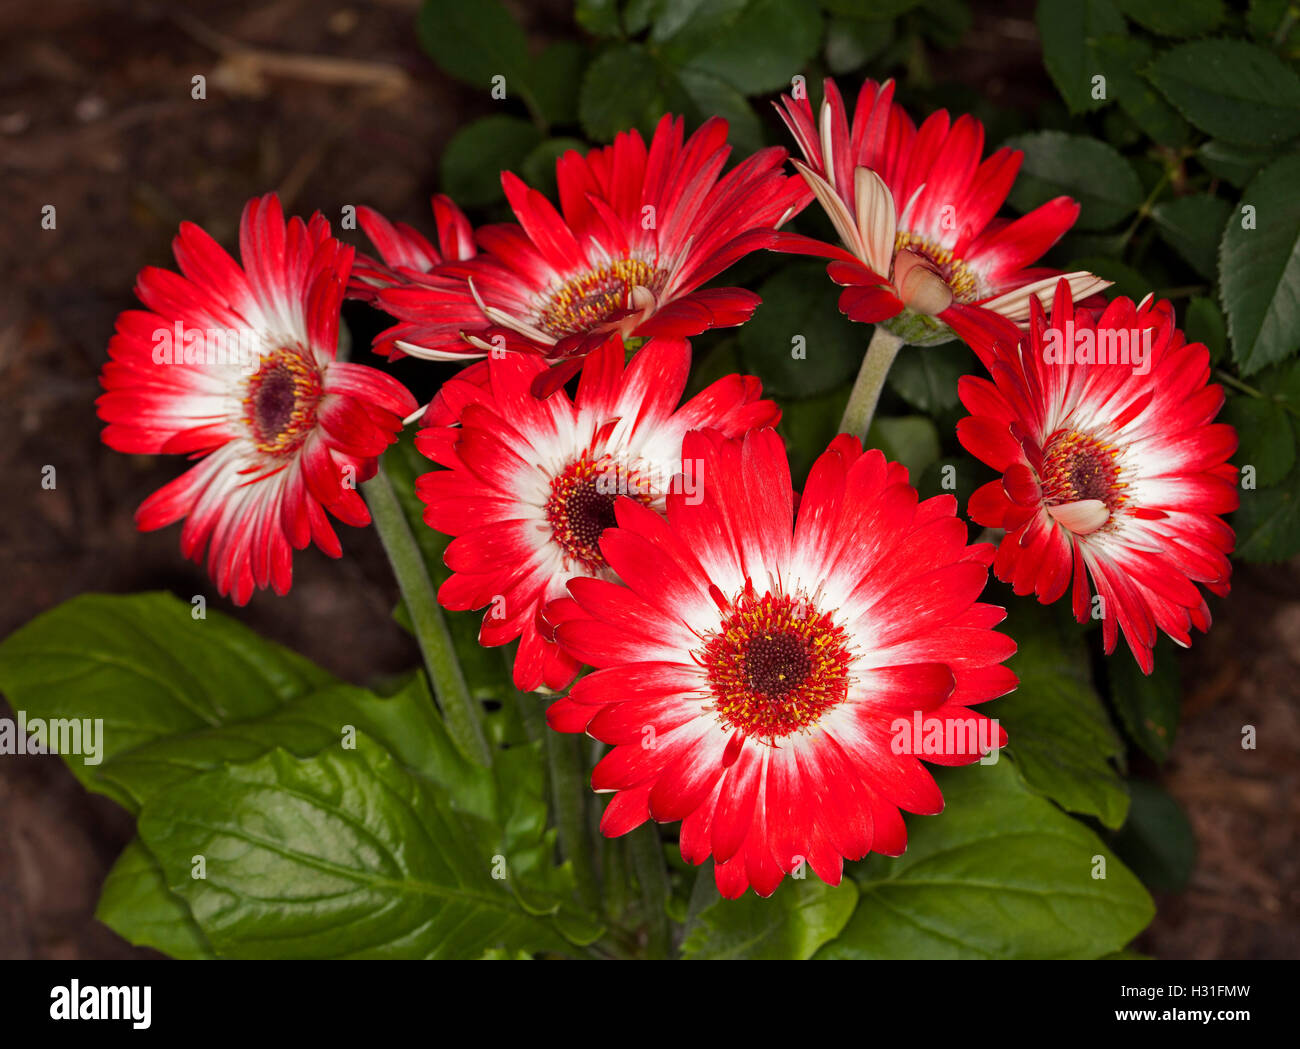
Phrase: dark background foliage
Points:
(96, 117)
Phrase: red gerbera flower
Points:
(915, 209)
(531, 483)
(236, 367)
(407, 255)
(1112, 467)
(756, 670)
(639, 231)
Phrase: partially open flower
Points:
(914, 209)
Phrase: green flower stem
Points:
(613, 856)
(646, 850)
(569, 796)
(463, 715)
(879, 358)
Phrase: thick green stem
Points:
(646, 850)
(879, 358)
(569, 797)
(462, 713)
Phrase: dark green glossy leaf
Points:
(1193, 226)
(1268, 521)
(1091, 172)
(1231, 89)
(1204, 323)
(1000, 873)
(1265, 435)
(766, 44)
(346, 854)
(1070, 30)
(1058, 732)
(1157, 841)
(1185, 18)
(1122, 57)
(477, 154)
(1260, 268)
(1147, 705)
(149, 669)
(798, 342)
(802, 915)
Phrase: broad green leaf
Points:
(1185, 18)
(598, 17)
(1260, 268)
(768, 42)
(1204, 323)
(1057, 729)
(1000, 873)
(1268, 522)
(1070, 30)
(1121, 58)
(851, 42)
(475, 42)
(638, 14)
(1266, 439)
(477, 154)
(713, 96)
(622, 88)
(1232, 163)
(912, 440)
(955, 475)
(713, 364)
(405, 724)
(555, 79)
(684, 27)
(808, 426)
(1091, 172)
(927, 378)
(137, 905)
(1193, 226)
(146, 667)
(1157, 841)
(344, 854)
(798, 342)
(876, 10)
(1231, 89)
(1266, 19)
(802, 915)
(1147, 705)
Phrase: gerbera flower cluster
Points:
(747, 650)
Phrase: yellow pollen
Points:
(775, 666)
(591, 299)
(956, 274)
(280, 401)
(1077, 466)
(581, 505)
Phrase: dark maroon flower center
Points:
(581, 506)
(1077, 466)
(280, 403)
(775, 665)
